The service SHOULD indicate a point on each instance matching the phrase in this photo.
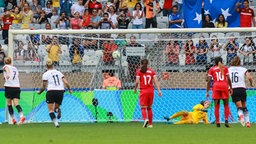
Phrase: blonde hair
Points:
(49, 63)
(8, 60)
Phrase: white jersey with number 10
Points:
(13, 80)
(54, 79)
(237, 76)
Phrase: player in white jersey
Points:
(237, 76)
(55, 81)
(12, 89)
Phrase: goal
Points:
(180, 58)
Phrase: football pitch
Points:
(125, 133)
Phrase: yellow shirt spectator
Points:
(55, 3)
(131, 3)
(77, 58)
(220, 25)
(16, 19)
(53, 52)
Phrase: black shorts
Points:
(239, 94)
(12, 92)
(54, 96)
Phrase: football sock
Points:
(144, 113)
(240, 111)
(217, 113)
(18, 107)
(226, 111)
(53, 117)
(150, 116)
(11, 112)
(178, 114)
(246, 115)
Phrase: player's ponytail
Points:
(49, 63)
(236, 61)
(144, 65)
(218, 62)
(8, 60)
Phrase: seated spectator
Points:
(20, 53)
(43, 18)
(151, 13)
(232, 47)
(47, 38)
(16, 16)
(86, 18)
(123, 21)
(175, 18)
(179, 4)
(206, 19)
(172, 52)
(9, 4)
(63, 22)
(21, 3)
(248, 51)
(221, 22)
(167, 7)
(90, 41)
(7, 22)
(77, 7)
(48, 9)
(94, 4)
(215, 47)
(36, 8)
(201, 50)
(31, 53)
(54, 18)
(137, 15)
(76, 22)
(76, 53)
(95, 19)
(108, 48)
(189, 50)
(111, 82)
(54, 50)
(26, 16)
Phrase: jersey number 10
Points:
(220, 77)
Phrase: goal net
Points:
(93, 60)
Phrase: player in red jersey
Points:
(246, 14)
(220, 89)
(145, 77)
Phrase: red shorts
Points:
(220, 94)
(146, 98)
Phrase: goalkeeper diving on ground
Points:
(199, 113)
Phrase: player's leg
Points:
(236, 98)
(58, 102)
(149, 108)
(50, 99)
(245, 110)
(19, 109)
(10, 110)
(178, 114)
(216, 97)
(187, 121)
(226, 112)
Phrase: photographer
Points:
(53, 51)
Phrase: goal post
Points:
(86, 60)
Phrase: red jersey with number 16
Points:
(146, 79)
(220, 80)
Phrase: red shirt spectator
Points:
(94, 4)
(86, 18)
(167, 7)
(246, 14)
(108, 49)
(7, 21)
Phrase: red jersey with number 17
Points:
(146, 79)
(220, 80)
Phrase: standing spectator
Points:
(112, 15)
(53, 51)
(36, 8)
(2, 57)
(221, 22)
(26, 16)
(54, 18)
(95, 19)
(172, 52)
(20, 52)
(56, 6)
(31, 53)
(137, 15)
(152, 9)
(179, 4)
(232, 47)
(215, 47)
(175, 18)
(77, 7)
(108, 48)
(7, 21)
(246, 15)
(86, 18)
(167, 7)
(189, 50)
(123, 6)
(63, 22)
(133, 61)
(65, 6)
(111, 82)
(47, 38)
(21, 3)
(16, 15)
(10, 4)
(48, 9)
(201, 50)
(90, 41)
(206, 19)
(123, 21)
(248, 51)
(94, 4)
(76, 53)
(43, 18)
(76, 22)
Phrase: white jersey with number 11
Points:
(54, 79)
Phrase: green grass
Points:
(125, 133)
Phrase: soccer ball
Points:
(116, 54)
